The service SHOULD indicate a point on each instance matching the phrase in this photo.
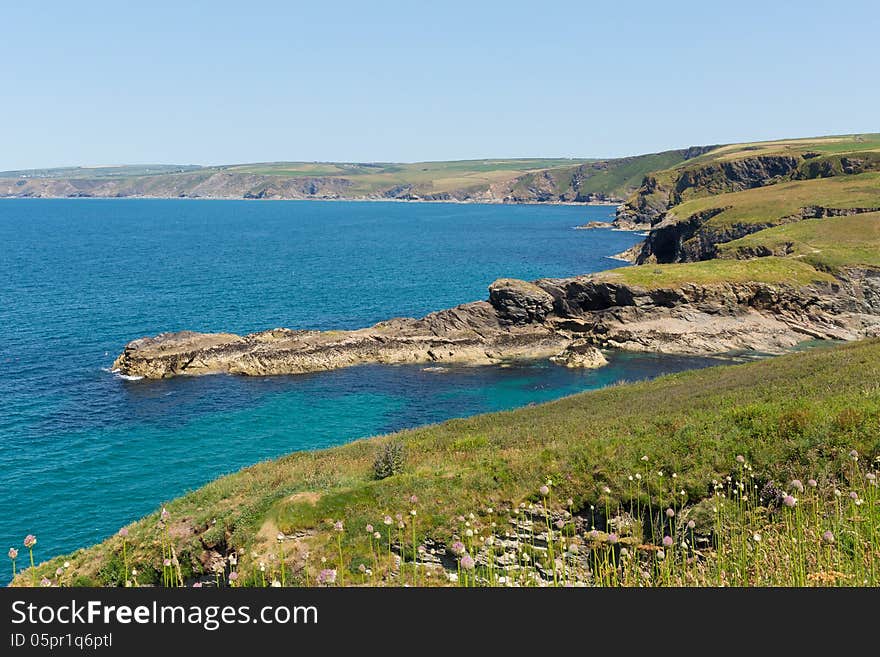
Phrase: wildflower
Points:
(667, 541)
(123, 532)
(837, 492)
(871, 477)
(275, 584)
(854, 495)
(670, 513)
(338, 526)
(457, 548)
(624, 552)
(612, 539)
(412, 512)
(854, 455)
(233, 576)
(560, 524)
(569, 502)
(606, 490)
(469, 533)
(197, 585)
(467, 562)
(422, 549)
(280, 537)
(660, 473)
(164, 515)
(756, 537)
(362, 569)
(573, 548)
(377, 535)
(13, 553)
(233, 559)
(327, 576)
(828, 537)
(691, 524)
(59, 571)
(812, 483)
(45, 582)
(369, 529)
(30, 541)
(166, 563)
(490, 510)
(490, 540)
(638, 476)
(594, 534)
(645, 458)
(387, 520)
(398, 517)
(413, 499)
(262, 567)
(797, 485)
(452, 577)
(134, 572)
(740, 458)
(661, 555)
(789, 501)
(682, 493)
(544, 490)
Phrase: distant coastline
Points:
(611, 204)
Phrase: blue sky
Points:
(220, 82)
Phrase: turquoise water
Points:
(85, 452)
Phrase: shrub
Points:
(389, 461)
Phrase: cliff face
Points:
(648, 204)
(562, 319)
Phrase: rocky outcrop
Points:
(567, 320)
(580, 353)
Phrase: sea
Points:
(84, 451)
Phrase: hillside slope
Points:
(790, 417)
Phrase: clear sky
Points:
(222, 82)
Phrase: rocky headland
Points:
(568, 320)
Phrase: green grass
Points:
(829, 244)
(771, 204)
(773, 270)
(790, 416)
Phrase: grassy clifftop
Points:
(795, 416)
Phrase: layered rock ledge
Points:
(567, 320)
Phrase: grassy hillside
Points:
(831, 145)
(771, 204)
(796, 416)
(828, 244)
(738, 167)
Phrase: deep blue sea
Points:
(85, 452)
